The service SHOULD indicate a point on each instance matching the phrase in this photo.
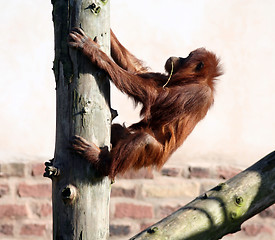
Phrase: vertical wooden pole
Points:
(80, 197)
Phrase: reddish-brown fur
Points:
(169, 114)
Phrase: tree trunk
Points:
(221, 210)
(80, 197)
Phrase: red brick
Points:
(33, 230)
(199, 172)
(143, 226)
(124, 210)
(4, 190)
(36, 191)
(170, 172)
(268, 213)
(6, 230)
(164, 211)
(46, 210)
(122, 192)
(12, 170)
(38, 169)
(42, 210)
(13, 211)
(225, 172)
(119, 230)
(255, 229)
(143, 173)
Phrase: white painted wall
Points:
(240, 127)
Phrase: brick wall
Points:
(137, 200)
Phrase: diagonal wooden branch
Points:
(221, 210)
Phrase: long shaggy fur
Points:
(169, 114)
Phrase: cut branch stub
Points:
(69, 194)
(50, 170)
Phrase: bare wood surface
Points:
(80, 197)
(221, 210)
